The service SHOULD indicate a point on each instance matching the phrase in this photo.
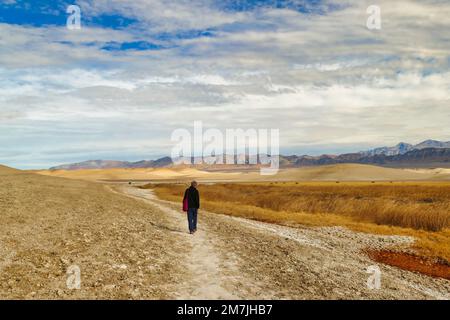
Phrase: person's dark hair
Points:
(194, 184)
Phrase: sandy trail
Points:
(207, 280)
(232, 257)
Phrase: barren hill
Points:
(7, 170)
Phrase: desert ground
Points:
(130, 244)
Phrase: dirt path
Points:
(213, 274)
(238, 258)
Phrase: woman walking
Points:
(191, 204)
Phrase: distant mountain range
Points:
(403, 148)
(112, 164)
(429, 153)
(429, 157)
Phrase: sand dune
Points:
(355, 172)
(342, 172)
(127, 174)
(436, 174)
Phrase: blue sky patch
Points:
(135, 45)
(305, 6)
(187, 34)
(41, 13)
(34, 13)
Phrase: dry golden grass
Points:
(418, 209)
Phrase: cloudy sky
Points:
(137, 70)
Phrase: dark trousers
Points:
(192, 219)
